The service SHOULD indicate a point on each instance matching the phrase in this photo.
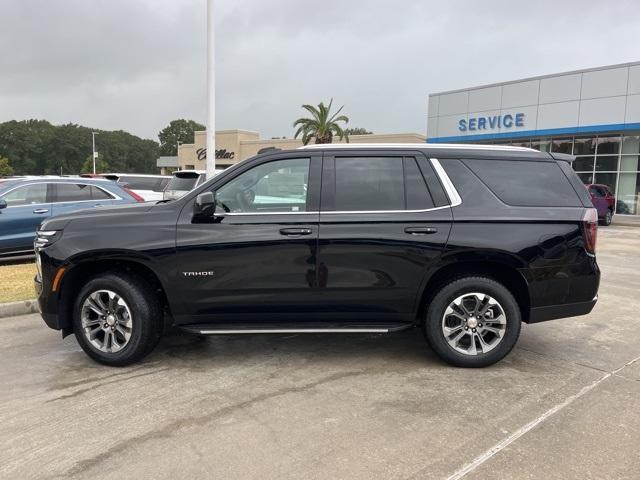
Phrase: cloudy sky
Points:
(137, 64)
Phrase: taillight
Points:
(135, 196)
(590, 229)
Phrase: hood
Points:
(59, 222)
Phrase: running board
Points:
(239, 329)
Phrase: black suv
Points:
(462, 241)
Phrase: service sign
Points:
(493, 122)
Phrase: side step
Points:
(319, 327)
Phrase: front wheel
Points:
(472, 322)
(116, 319)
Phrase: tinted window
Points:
(27, 195)
(99, 194)
(183, 184)
(369, 183)
(155, 184)
(72, 192)
(437, 192)
(526, 183)
(418, 196)
(596, 192)
(279, 186)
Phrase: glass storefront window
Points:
(607, 164)
(608, 145)
(608, 179)
(584, 146)
(630, 163)
(521, 143)
(583, 164)
(631, 145)
(562, 145)
(628, 198)
(586, 177)
(542, 144)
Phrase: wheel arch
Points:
(503, 269)
(81, 269)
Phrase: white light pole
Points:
(211, 93)
(178, 143)
(95, 154)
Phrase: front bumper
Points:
(51, 319)
(552, 312)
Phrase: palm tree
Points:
(321, 125)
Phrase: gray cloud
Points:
(137, 64)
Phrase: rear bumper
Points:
(553, 312)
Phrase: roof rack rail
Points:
(430, 146)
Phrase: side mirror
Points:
(3, 204)
(206, 204)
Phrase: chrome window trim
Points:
(454, 196)
(114, 196)
(236, 214)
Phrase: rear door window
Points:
(526, 183)
(369, 184)
(72, 192)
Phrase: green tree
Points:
(101, 165)
(322, 125)
(357, 131)
(37, 147)
(180, 130)
(5, 167)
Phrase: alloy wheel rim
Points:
(106, 321)
(474, 324)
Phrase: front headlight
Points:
(45, 238)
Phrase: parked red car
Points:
(603, 200)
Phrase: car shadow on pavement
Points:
(207, 351)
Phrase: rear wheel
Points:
(117, 319)
(472, 322)
(606, 220)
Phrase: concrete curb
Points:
(18, 308)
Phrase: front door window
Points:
(278, 186)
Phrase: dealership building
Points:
(593, 114)
(233, 146)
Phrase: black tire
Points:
(146, 317)
(606, 220)
(447, 294)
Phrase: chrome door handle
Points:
(41, 210)
(295, 231)
(420, 230)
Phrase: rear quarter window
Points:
(525, 183)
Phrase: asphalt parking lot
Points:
(565, 404)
